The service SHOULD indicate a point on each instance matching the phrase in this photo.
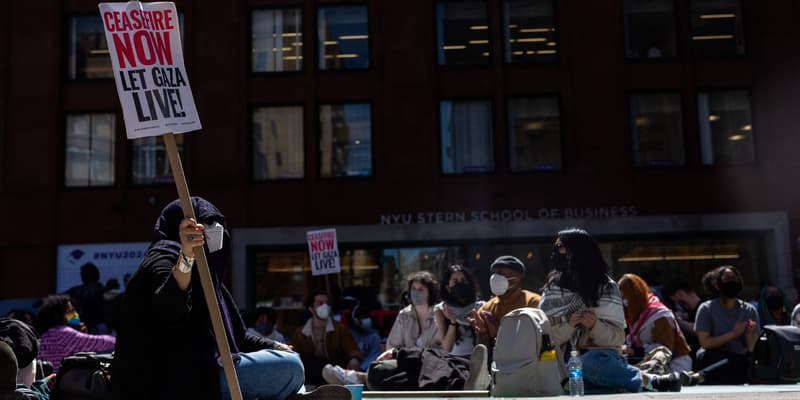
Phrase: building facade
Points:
(426, 132)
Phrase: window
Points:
(650, 29)
(534, 134)
(717, 28)
(88, 50)
(278, 143)
(150, 163)
(345, 140)
(277, 40)
(462, 33)
(89, 150)
(657, 127)
(529, 29)
(726, 129)
(466, 133)
(343, 37)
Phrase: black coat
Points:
(165, 344)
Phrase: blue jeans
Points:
(266, 375)
(606, 369)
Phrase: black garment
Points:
(415, 369)
(88, 301)
(165, 344)
(732, 373)
(22, 338)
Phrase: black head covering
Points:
(22, 338)
(166, 239)
(509, 262)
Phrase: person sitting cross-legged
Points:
(323, 341)
(584, 306)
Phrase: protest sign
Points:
(144, 43)
(323, 251)
(145, 49)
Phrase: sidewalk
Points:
(748, 392)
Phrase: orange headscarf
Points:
(635, 291)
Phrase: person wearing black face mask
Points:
(726, 327)
(772, 307)
(455, 332)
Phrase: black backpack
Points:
(776, 357)
(84, 376)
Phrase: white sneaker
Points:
(479, 378)
(337, 375)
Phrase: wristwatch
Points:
(185, 264)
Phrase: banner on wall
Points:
(323, 251)
(144, 43)
(114, 260)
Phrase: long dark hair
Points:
(444, 292)
(587, 272)
(51, 312)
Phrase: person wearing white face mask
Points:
(506, 284)
(324, 341)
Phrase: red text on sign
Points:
(120, 21)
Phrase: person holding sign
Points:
(165, 344)
(323, 341)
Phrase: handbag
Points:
(84, 376)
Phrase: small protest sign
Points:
(323, 250)
(144, 43)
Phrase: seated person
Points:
(772, 306)
(727, 328)
(262, 322)
(414, 359)
(165, 317)
(63, 333)
(684, 300)
(585, 309)
(19, 346)
(415, 325)
(368, 342)
(652, 325)
(506, 284)
(322, 340)
(365, 334)
(452, 315)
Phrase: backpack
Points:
(776, 357)
(525, 362)
(84, 376)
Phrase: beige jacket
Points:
(405, 331)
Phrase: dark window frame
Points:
(629, 128)
(749, 91)
(318, 136)
(492, 136)
(556, 59)
(561, 132)
(489, 65)
(62, 155)
(250, 164)
(370, 33)
(249, 40)
(679, 50)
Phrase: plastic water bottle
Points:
(575, 368)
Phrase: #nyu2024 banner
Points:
(144, 42)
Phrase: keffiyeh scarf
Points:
(561, 303)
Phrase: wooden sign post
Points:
(144, 43)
